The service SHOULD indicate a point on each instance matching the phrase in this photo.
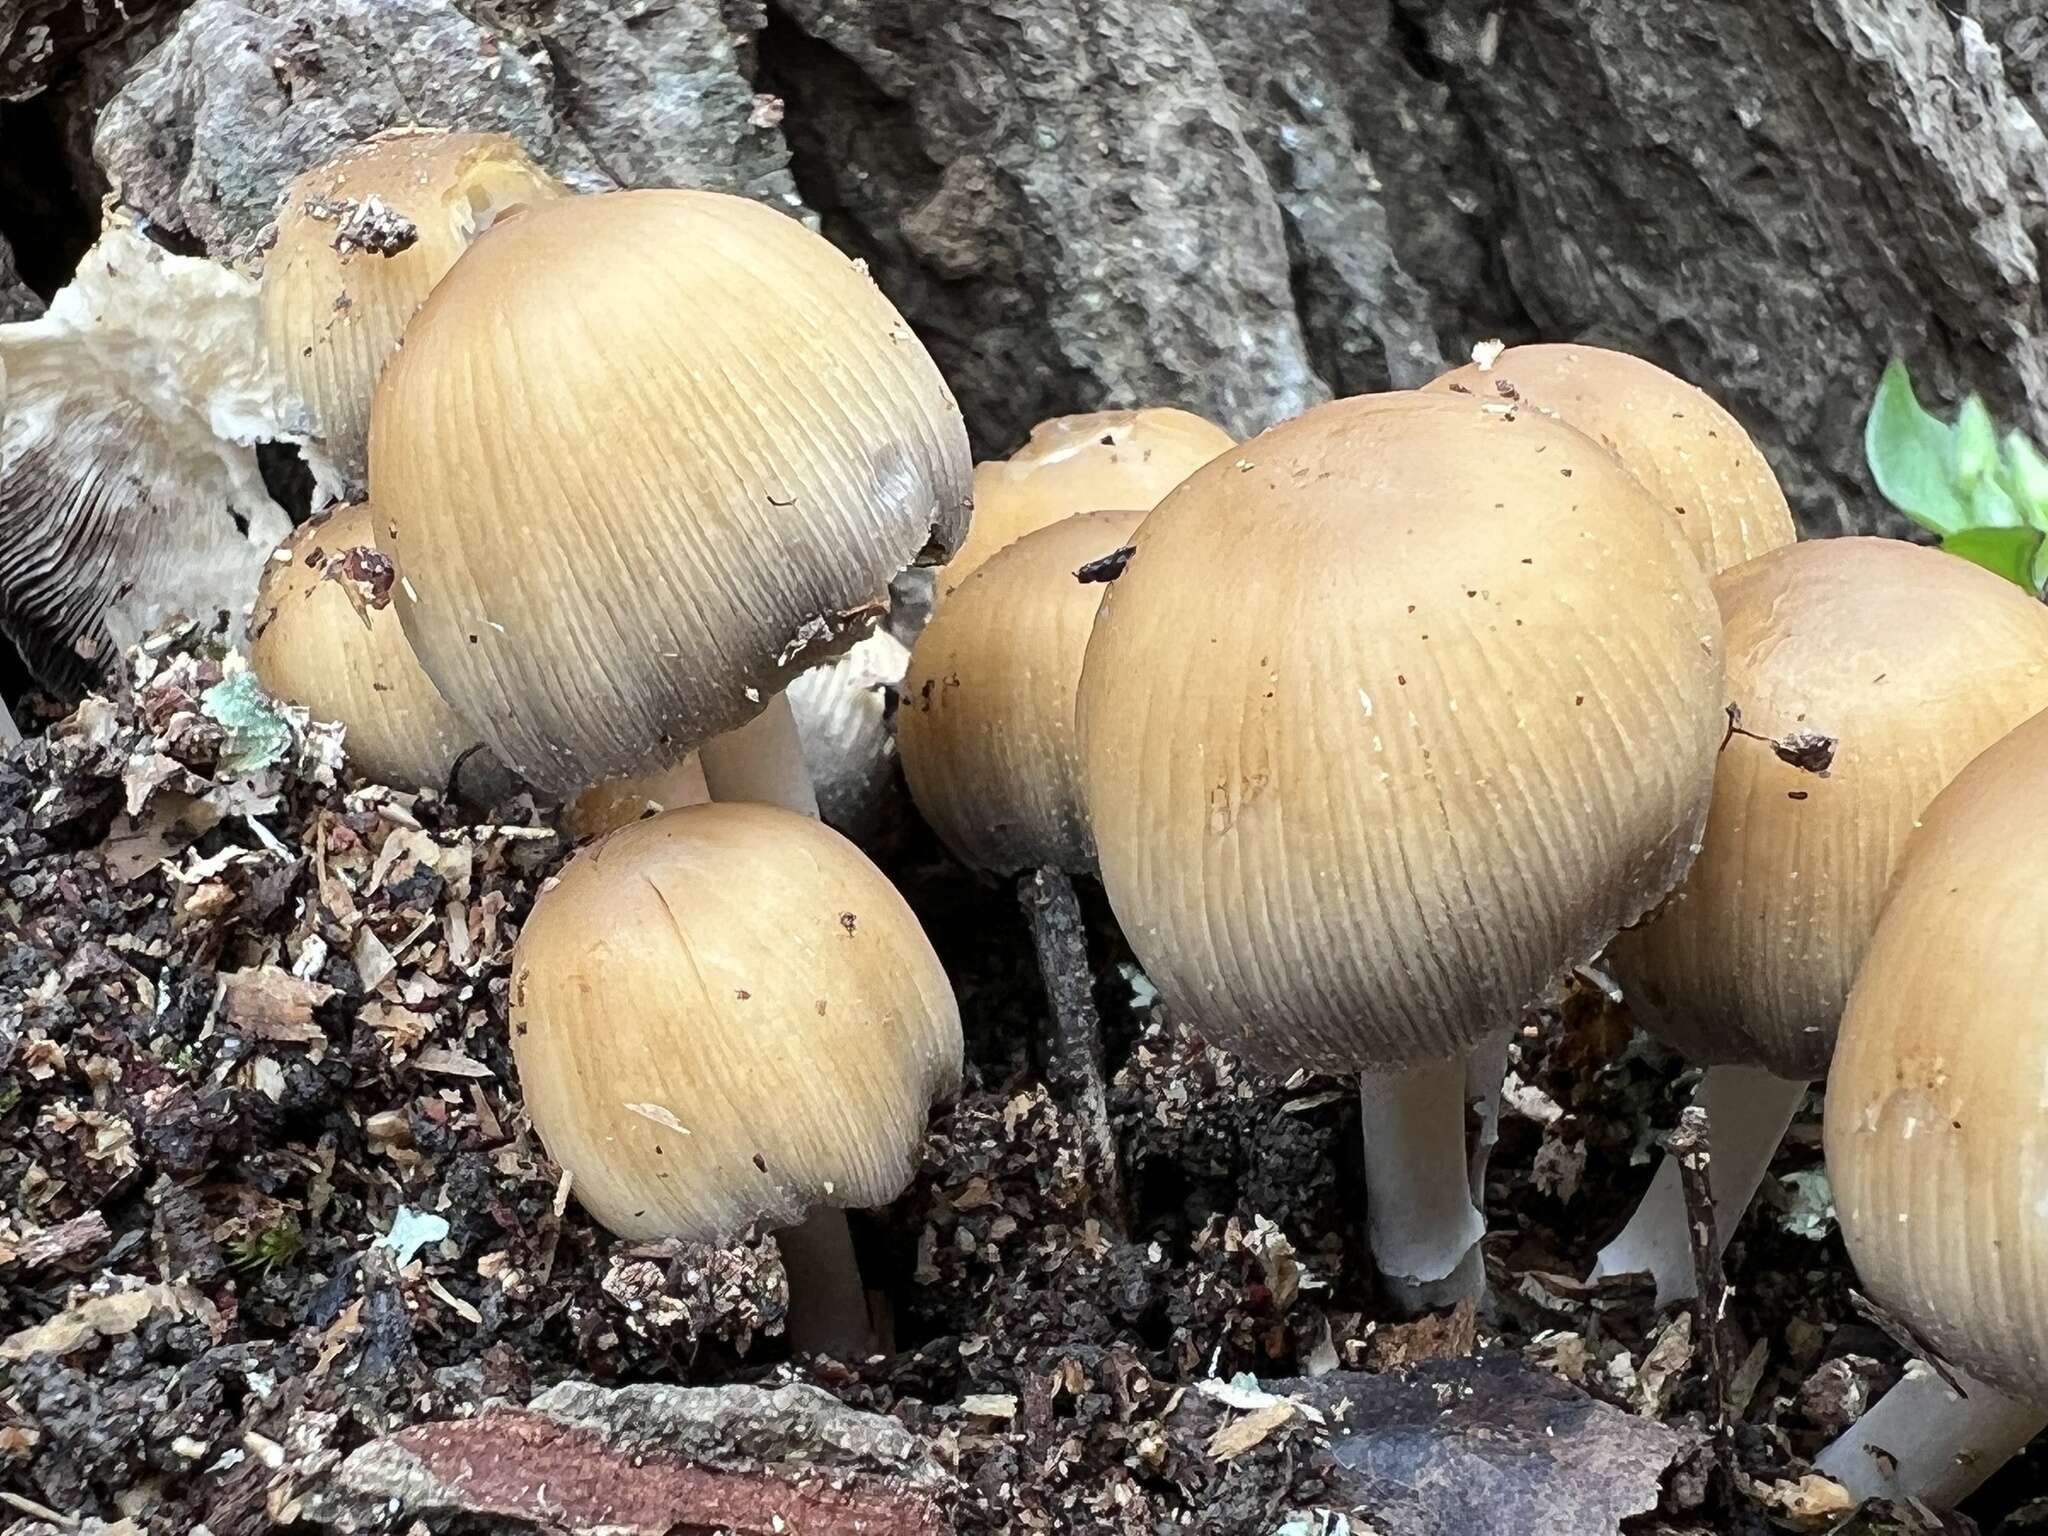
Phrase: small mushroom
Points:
(1688, 451)
(1394, 717)
(986, 733)
(842, 712)
(361, 241)
(1937, 1134)
(323, 635)
(1862, 675)
(1102, 461)
(129, 490)
(986, 728)
(725, 1015)
(644, 457)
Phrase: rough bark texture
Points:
(17, 302)
(1244, 205)
(648, 1461)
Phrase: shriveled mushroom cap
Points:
(1911, 662)
(619, 803)
(644, 457)
(1102, 461)
(726, 1014)
(986, 726)
(129, 489)
(1937, 1135)
(1691, 454)
(1396, 714)
(360, 243)
(324, 635)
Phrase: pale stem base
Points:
(761, 762)
(828, 1304)
(1419, 1213)
(10, 733)
(1748, 1112)
(1920, 1440)
(1486, 1067)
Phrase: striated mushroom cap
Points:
(1911, 661)
(644, 457)
(1103, 461)
(723, 1015)
(360, 243)
(1396, 714)
(323, 635)
(1937, 1134)
(1691, 455)
(986, 727)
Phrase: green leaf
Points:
(2040, 572)
(1990, 507)
(2011, 552)
(1909, 455)
(1974, 449)
(2025, 476)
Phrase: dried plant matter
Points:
(129, 490)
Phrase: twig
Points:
(1688, 1145)
(1074, 1056)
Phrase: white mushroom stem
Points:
(762, 762)
(1419, 1213)
(1486, 1067)
(1749, 1110)
(10, 733)
(1923, 1441)
(828, 1305)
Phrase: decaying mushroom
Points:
(1394, 716)
(1937, 1134)
(323, 635)
(360, 243)
(644, 457)
(129, 491)
(726, 1015)
(1862, 674)
(986, 732)
(1104, 461)
(1688, 451)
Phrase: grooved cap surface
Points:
(1101, 461)
(1937, 1107)
(311, 645)
(1692, 456)
(726, 1014)
(1913, 661)
(1397, 713)
(644, 457)
(333, 312)
(986, 724)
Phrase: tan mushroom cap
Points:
(1692, 455)
(986, 726)
(619, 803)
(1102, 461)
(333, 312)
(312, 645)
(644, 457)
(1937, 1107)
(1396, 714)
(726, 1014)
(1913, 661)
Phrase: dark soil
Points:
(269, 1191)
